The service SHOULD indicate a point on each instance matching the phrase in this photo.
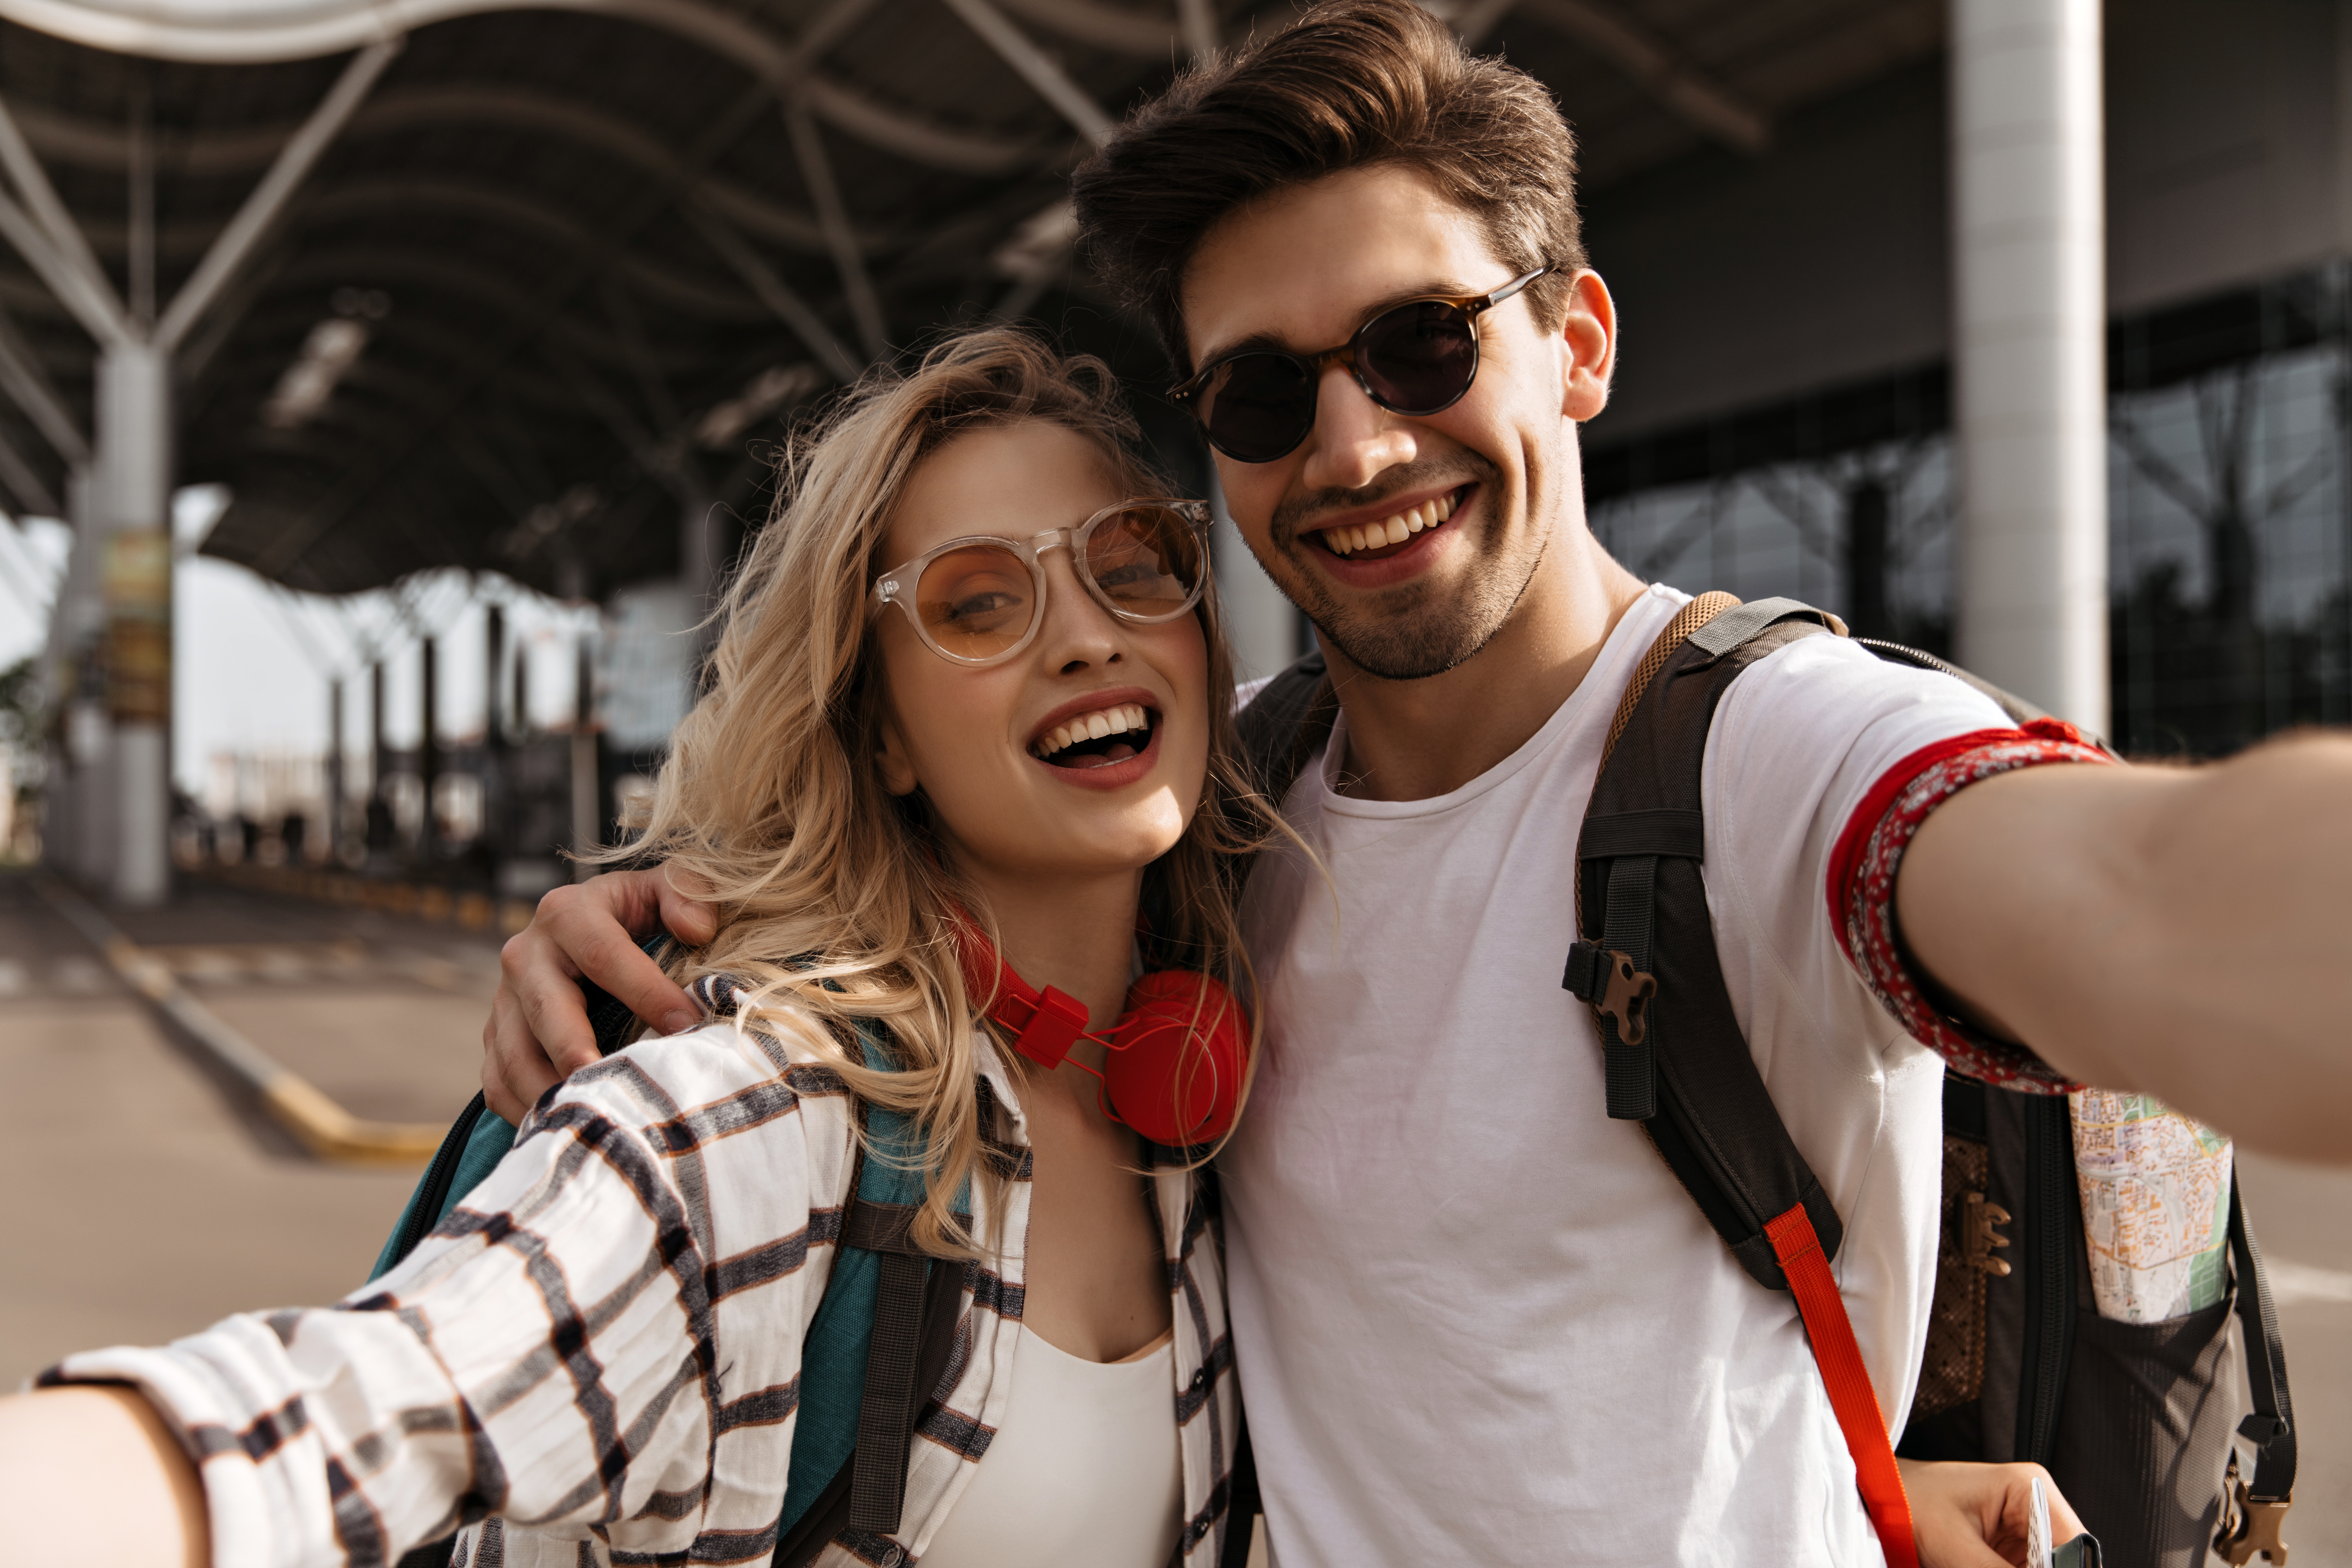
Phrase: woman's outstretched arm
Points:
(94, 1477)
(617, 1309)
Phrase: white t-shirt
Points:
(1476, 1320)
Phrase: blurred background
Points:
(386, 385)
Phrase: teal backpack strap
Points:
(478, 1139)
(472, 1150)
(879, 1344)
(882, 1335)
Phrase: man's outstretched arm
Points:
(2185, 932)
(538, 1034)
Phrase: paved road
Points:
(144, 1200)
(147, 1198)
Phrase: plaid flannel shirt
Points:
(596, 1358)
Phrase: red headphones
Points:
(1177, 1054)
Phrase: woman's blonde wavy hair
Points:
(833, 900)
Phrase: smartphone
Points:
(2083, 1551)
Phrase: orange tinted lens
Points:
(976, 600)
(1146, 561)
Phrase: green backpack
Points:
(879, 1344)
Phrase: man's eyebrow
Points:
(1259, 343)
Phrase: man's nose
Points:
(1355, 440)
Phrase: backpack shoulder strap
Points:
(2021, 712)
(1285, 724)
(1673, 1053)
(1674, 1056)
(478, 1140)
(880, 1343)
(2252, 1512)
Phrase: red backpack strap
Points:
(1851, 1398)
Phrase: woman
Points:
(970, 687)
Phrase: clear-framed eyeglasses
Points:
(980, 598)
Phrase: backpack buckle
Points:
(2249, 1524)
(1608, 980)
(1979, 1237)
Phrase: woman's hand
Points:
(538, 1033)
(1973, 1516)
(93, 1475)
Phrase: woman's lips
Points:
(1105, 772)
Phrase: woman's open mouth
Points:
(1098, 739)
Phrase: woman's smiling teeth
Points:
(1095, 740)
(1350, 537)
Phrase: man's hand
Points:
(538, 1035)
(1973, 1516)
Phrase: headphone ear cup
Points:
(1178, 1055)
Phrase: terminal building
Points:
(2011, 329)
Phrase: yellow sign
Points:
(136, 574)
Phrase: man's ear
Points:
(1588, 333)
(890, 756)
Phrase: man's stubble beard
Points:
(1414, 633)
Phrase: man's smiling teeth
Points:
(1348, 538)
(1092, 727)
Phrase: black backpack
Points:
(2134, 1421)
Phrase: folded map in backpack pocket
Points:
(2155, 1207)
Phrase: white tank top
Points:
(1084, 1473)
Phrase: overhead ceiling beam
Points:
(540, 222)
(186, 32)
(28, 386)
(22, 482)
(140, 239)
(773, 292)
(94, 290)
(1197, 25)
(719, 131)
(1035, 67)
(816, 172)
(50, 244)
(1034, 255)
(89, 300)
(629, 331)
(1656, 67)
(301, 151)
(492, 287)
(1105, 27)
(92, 144)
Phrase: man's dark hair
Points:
(1349, 85)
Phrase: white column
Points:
(2029, 350)
(131, 495)
(83, 834)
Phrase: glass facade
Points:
(2229, 521)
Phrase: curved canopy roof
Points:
(548, 273)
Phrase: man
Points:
(1476, 1320)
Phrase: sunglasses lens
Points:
(976, 602)
(1147, 561)
(1259, 408)
(1419, 358)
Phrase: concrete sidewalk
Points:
(149, 1195)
